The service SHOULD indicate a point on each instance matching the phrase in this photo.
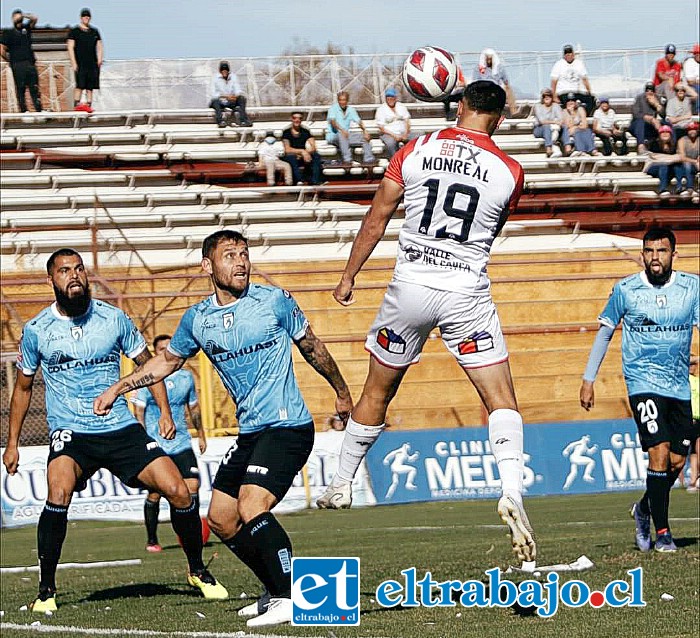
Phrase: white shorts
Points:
(469, 326)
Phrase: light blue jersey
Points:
(181, 393)
(657, 327)
(249, 344)
(79, 359)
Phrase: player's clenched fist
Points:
(10, 459)
(102, 405)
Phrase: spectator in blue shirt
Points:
(226, 94)
(340, 119)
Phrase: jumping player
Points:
(77, 341)
(458, 189)
(658, 308)
(182, 397)
(246, 331)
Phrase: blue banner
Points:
(575, 457)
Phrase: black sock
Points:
(244, 549)
(657, 488)
(51, 532)
(188, 526)
(150, 516)
(673, 477)
(271, 544)
(644, 504)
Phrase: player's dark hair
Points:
(485, 96)
(160, 338)
(660, 232)
(61, 252)
(210, 243)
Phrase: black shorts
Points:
(663, 420)
(186, 463)
(125, 453)
(270, 458)
(87, 77)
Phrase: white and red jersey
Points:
(459, 189)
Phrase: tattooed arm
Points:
(149, 371)
(160, 396)
(318, 357)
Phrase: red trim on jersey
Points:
(394, 171)
(485, 141)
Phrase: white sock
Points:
(357, 442)
(506, 440)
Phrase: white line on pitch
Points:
(92, 631)
(104, 563)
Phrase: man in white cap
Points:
(394, 122)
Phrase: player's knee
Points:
(59, 494)
(177, 494)
(224, 527)
(249, 508)
(677, 465)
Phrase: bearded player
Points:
(77, 342)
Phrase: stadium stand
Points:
(137, 191)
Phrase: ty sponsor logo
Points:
(390, 341)
(325, 591)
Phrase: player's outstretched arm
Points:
(166, 425)
(598, 351)
(19, 404)
(151, 371)
(318, 357)
(384, 204)
(196, 420)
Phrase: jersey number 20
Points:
(466, 215)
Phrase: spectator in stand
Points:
(269, 151)
(394, 122)
(16, 48)
(647, 113)
(691, 74)
(455, 96)
(575, 124)
(569, 75)
(86, 52)
(341, 117)
(300, 152)
(664, 160)
(491, 68)
(548, 120)
(667, 73)
(688, 147)
(607, 129)
(679, 111)
(226, 94)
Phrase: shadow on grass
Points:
(137, 590)
(685, 542)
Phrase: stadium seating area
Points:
(138, 191)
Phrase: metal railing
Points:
(310, 80)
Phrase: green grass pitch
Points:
(456, 540)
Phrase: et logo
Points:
(325, 591)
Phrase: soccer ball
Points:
(430, 74)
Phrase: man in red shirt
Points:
(667, 73)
